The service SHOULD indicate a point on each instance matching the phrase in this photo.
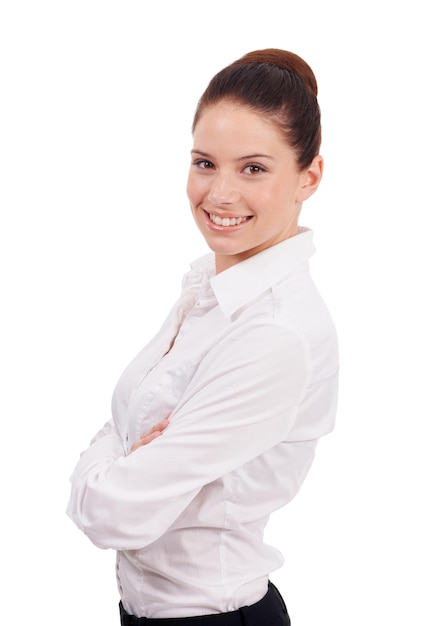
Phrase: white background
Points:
(95, 233)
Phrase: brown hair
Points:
(278, 84)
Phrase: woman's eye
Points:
(253, 169)
(203, 164)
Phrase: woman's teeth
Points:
(227, 221)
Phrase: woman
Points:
(241, 380)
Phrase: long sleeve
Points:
(242, 400)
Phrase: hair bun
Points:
(285, 60)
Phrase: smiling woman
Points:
(216, 421)
(245, 188)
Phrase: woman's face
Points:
(244, 186)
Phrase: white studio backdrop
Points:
(96, 105)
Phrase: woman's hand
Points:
(151, 434)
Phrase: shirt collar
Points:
(245, 281)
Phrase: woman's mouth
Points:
(227, 221)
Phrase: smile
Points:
(227, 221)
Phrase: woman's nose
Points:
(223, 190)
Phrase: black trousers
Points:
(270, 611)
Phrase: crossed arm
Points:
(224, 420)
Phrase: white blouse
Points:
(247, 363)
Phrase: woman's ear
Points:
(311, 178)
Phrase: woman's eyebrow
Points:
(241, 158)
(255, 156)
(204, 154)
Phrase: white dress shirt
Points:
(247, 363)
